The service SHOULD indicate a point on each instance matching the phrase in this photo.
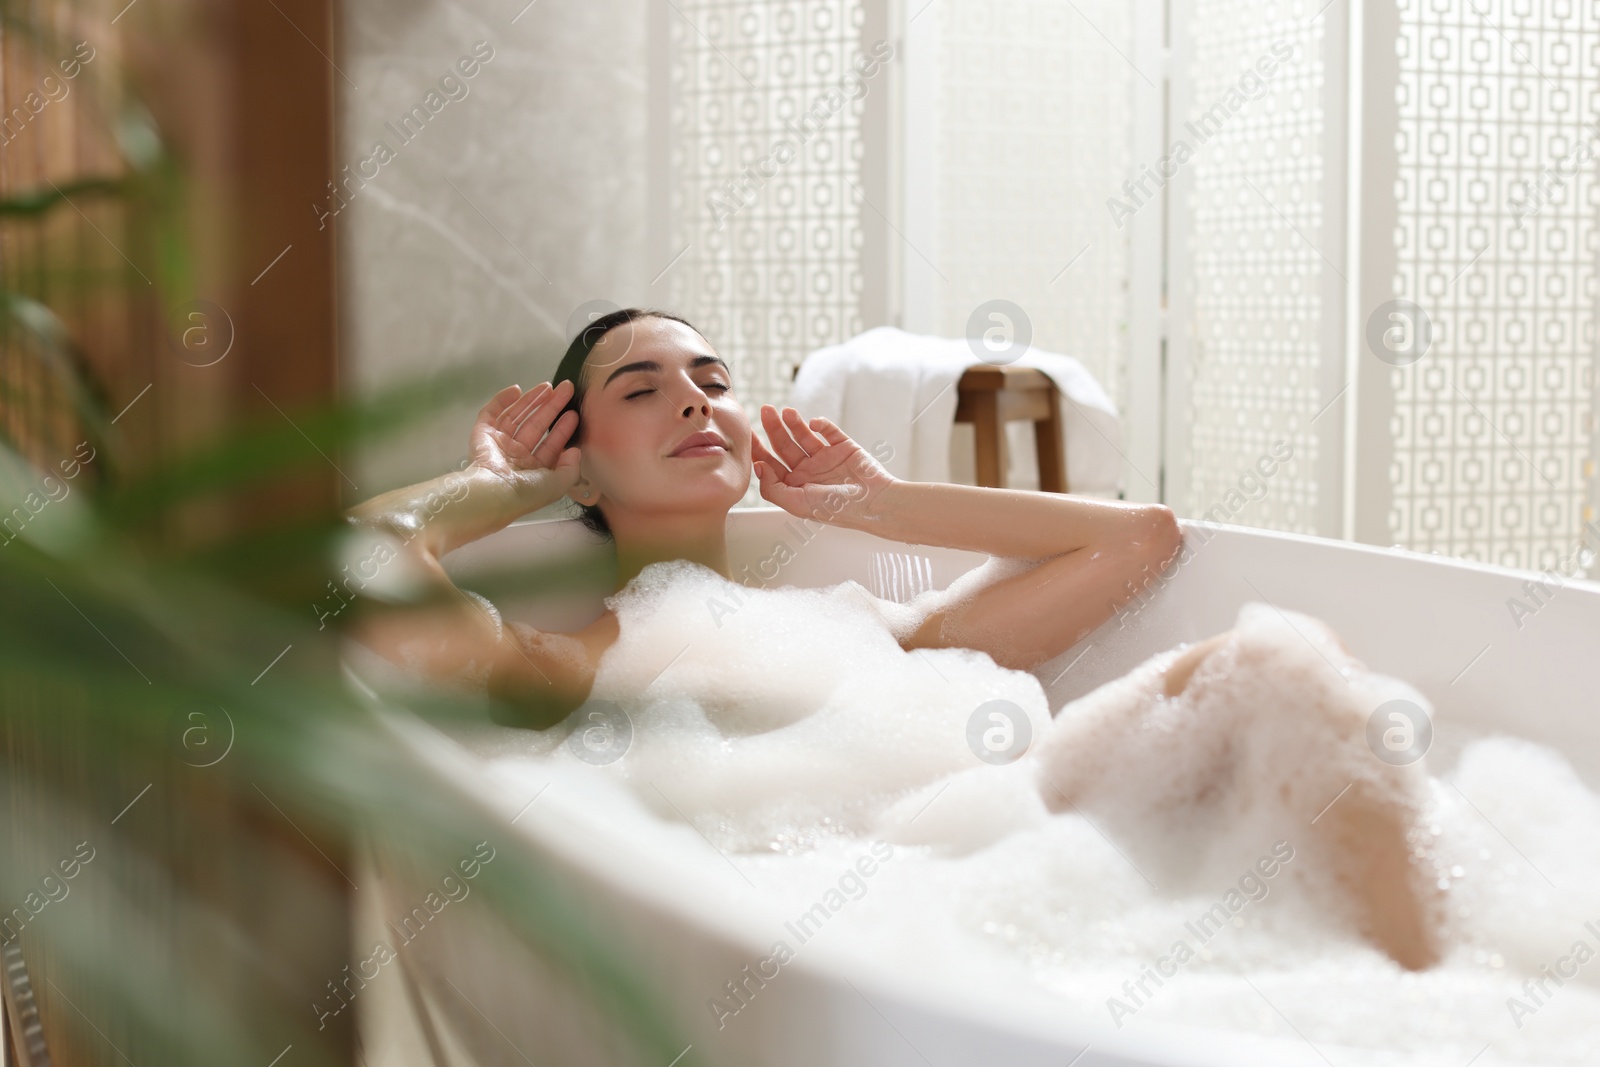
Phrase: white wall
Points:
(547, 150)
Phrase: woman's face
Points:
(653, 388)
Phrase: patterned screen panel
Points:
(1260, 251)
(1499, 227)
(1034, 118)
(765, 157)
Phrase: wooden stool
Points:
(988, 397)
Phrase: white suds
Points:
(791, 729)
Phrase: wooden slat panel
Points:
(243, 94)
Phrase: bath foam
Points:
(771, 718)
(797, 731)
(1267, 743)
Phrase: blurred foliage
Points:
(181, 712)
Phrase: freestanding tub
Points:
(1445, 626)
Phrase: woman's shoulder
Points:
(551, 670)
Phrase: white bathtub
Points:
(1444, 626)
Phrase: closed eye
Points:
(719, 386)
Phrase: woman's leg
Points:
(1370, 856)
(1364, 832)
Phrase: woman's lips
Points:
(699, 450)
(706, 442)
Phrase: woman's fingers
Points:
(782, 445)
(781, 437)
(803, 435)
(536, 421)
(549, 451)
(774, 490)
(759, 451)
(499, 402)
(830, 433)
(772, 475)
(513, 415)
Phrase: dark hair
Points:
(571, 369)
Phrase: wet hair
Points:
(571, 368)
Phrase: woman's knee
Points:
(1178, 674)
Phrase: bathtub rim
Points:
(771, 512)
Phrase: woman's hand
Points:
(818, 471)
(509, 439)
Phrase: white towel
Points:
(899, 388)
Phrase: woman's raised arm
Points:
(1091, 553)
(518, 464)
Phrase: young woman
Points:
(664, 453)
(642, 430)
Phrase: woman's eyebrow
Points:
(701, 361)
(653, 365)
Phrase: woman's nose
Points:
(692, 398)
(696, 401)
